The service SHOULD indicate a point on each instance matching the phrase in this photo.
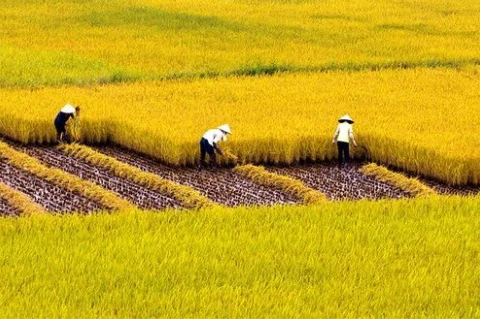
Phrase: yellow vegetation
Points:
(417, 120)
(411, 186)
(55, 42)
(188, 196)
(71, 182)
(18, 200)
(290, 185)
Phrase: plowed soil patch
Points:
(340, 184)
(52, 197)
(136, 194)
(7, 210)
(444, 189)
(221, 185)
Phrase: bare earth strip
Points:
(53, 197)
(136, 194)
(340, 184)
(441, 188)
(221, 185)
(444, 189)
(6, 209)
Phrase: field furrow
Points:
(221, 185)
(53, 197)
(6, 209)
(340, 184)
(136, 194)
(444, 189)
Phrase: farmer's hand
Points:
(355, 144)
(333, 141)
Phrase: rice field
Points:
(418, 120)
(123, 225)
(355, 259)
(96, 42)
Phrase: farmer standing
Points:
(67, 112)
(209, 143)
(343, 135)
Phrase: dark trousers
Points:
(206, 148)
(343, 153)
(61, 130)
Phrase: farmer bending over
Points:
(67, 112)
(209, 141)
(343, 135)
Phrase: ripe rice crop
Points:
(290, 185)
(70, 42)
(411, 186)
(418, 120)
(188, 196)
(394, 259)
(107, 199)
(19, 201)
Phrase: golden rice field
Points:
(56, 42)
(153, 75)
(420, 120)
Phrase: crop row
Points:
(189, 197)
(13, 202)
(288, 184)
(244, 185)
(59, 177)
(411, 186)
(48, 194)
(398, 123)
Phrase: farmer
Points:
(343, 135)
(67, 112)
(209, 143)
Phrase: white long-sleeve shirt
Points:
(344, 132)
(214, 136)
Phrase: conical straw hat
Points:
(346, 118)
(68, 109)
(225, 128)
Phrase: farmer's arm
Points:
(70, 116)
(217, 138)
(217, 149)
(337, 131)
(350, 133)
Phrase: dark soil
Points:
(6, 209)
(220, 185)
(136, 194)
(443, 189)
(345, 183)
(52, 197)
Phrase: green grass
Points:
(399, 259)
